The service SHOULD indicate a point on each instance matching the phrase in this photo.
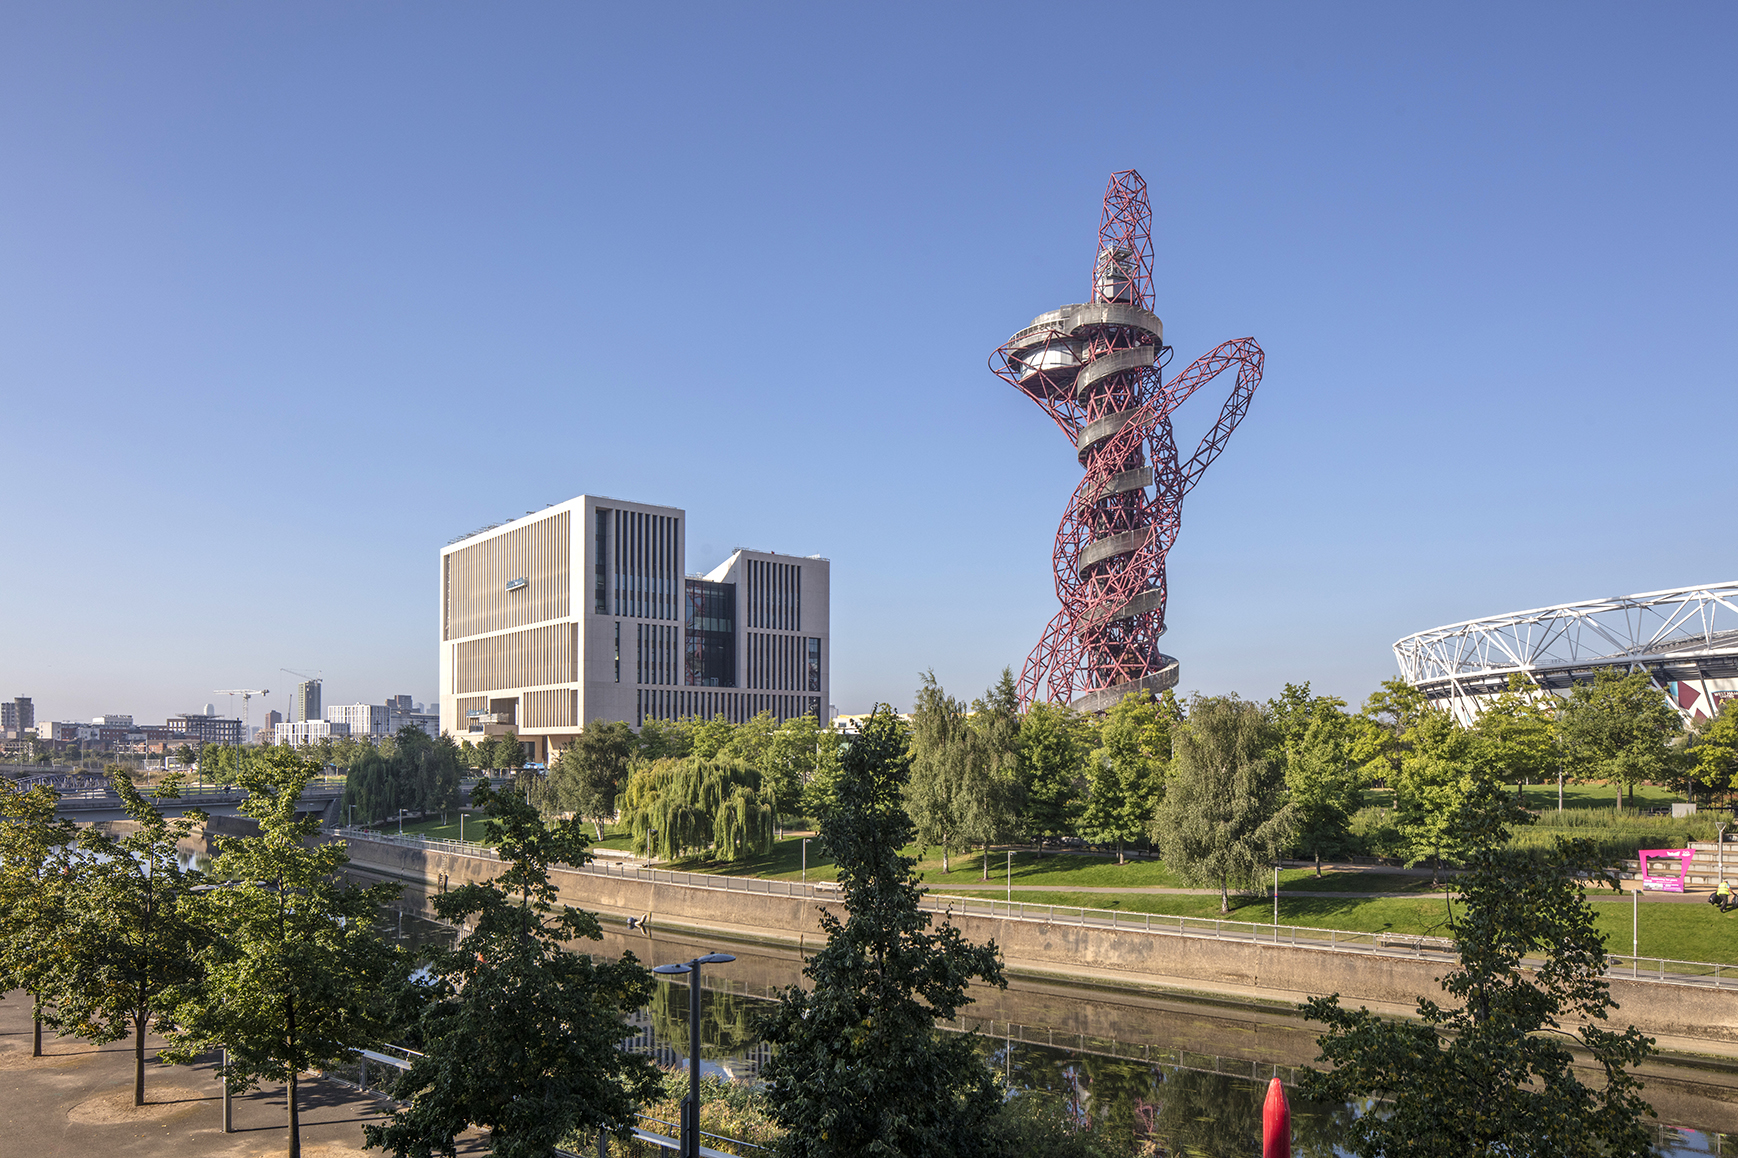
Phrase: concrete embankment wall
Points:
(1115, 958)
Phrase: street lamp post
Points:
(691, 1107)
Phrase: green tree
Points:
(1224, 817)
(35, 878)
(505, 753)
(1713, 755)
(1514, 736)
(521, 1037)
(791, 760)
(1325, 784)
(673, 807)
(860, 1067)
(185, 756)
(661, 739)
(294, 976)
(1127, 776)
(592, 770)
(954, 796)
(1382, 730)
(1055, 742)
(751, 740)
(372, 792)
(708, 738)
(128, 945)
(1620, 728)
(1494, 1077)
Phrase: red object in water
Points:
(1275, 1123)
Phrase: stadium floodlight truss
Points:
(1686, 638)
(1097, 370)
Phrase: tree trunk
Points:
(1224, 896)
(36, 1027)
(295, 1149)
(1120, 859)
(986, 860)
(1318, 864)
(944, 865)
(139, 1061)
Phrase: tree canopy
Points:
(520, 1037)
(293, 976)
(860, 1067)
(1494, 1076)
(1224, 817)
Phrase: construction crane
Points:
(246, 694)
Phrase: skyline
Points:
(284, 289)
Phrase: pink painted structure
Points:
(1666, 884)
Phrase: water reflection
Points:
(1146, 1073)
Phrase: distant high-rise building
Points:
(112, 720)
(306, 705)
(17, 715)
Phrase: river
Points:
(1188, 1074)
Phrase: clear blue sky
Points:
(290, 295)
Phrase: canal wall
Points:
(1131, 959)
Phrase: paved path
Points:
(77, 1101)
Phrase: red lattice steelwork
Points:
(1097, 370)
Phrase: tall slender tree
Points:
(35, 875)
(1224, 817)
(860, 1067)
(592, 770)
(293, 975)
(1127, 777)
(522, 1036)
(129, 946)
(1055, 742)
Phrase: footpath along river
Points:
(1186, 1072)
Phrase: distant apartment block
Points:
(360, 719)
(16, 717)
(585, 611)
(204, 728)
(300, 733)
(305, 705)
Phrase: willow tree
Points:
(674, 807)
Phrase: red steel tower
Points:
(1097, 370)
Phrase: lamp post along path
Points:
(691, 1107)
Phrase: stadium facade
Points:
(585, 611)
(1686, 638)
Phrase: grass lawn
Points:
(1680, 932)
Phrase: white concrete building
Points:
(585, 611)
(360, 719)
(299, 733)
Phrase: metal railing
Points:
(1703, 974)
(1217, 928)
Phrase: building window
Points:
(601, 605)
(814, 665)
(618, 651)
(709, 636)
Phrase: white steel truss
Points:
(1686, 634)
